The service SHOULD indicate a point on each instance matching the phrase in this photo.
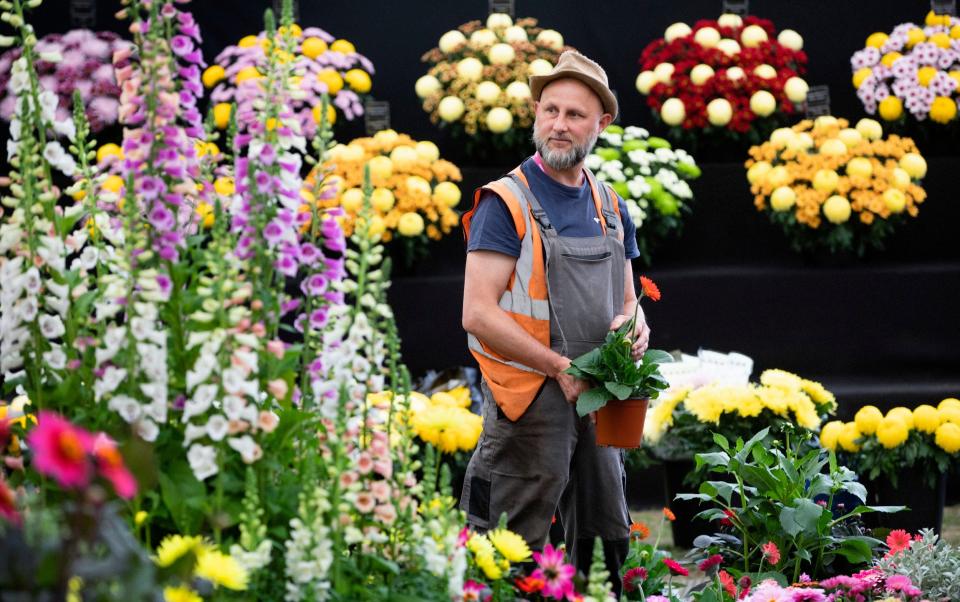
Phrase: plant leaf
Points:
(592, 400)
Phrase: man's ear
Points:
(605, 120)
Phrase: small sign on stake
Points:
(376, 115)
(83, 13)
(736, 7)
(944, 7)
(503, 6)
(818, 101)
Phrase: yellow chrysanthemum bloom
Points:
(925, 75)
(212, 75)
(109, 150)
(462, 395)
(948, 437)
(781, 378)
(891, 108)
(174, 547)
(867, 419)
(479, 544)
(848, 437)
(749, 405)
(903, 414)
(949, 413)
(222, 570)
(860, 75)
(949, 402)
(660, 417)
(892, 432)
(510, 545)
(818, 393)
(180, 594)
(221, 114)
(830, 434)
(489, 566)
(926, 418)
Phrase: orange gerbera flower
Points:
(669, 514)
(649, 288)
(640, 530)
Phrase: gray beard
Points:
(563, 160)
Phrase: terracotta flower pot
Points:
(620, 423)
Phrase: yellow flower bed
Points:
(836, 187)
(414, 192)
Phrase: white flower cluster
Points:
(45, 107)
(440, 553)
(253, 560)
(309, 551)
(352, 357)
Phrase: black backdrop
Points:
(884, 330)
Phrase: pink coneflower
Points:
(61, 450)
(634, 578)
(110, 465)
(557, 575)
(675, 567)
(771, 553)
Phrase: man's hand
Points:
(640, 334)
(571, 386)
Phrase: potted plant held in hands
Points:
(624, 386)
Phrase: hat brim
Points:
(607, 99)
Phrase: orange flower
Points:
(640, 530)
(898, 540)
(668, 513)
(649, 289)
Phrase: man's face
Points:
(569, 117)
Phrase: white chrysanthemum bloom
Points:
(593, 162)
(634, 132)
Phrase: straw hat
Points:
(575, 65)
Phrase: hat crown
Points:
(571, 60)
(574, 65)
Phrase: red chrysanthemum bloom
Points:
(640, 530)
(61, 450)
(669, 514)
(710, 562)
(771, 552)
(633, 578)
(8, 507)
(898, 540)
(110, 465)
(649, 288)
(727, 582)
(529, 584)
(675, 567)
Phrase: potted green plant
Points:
(624, 386)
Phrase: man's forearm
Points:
(498, 331)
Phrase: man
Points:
(548, 274)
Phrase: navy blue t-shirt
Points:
(570, 209)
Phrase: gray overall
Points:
(548, 459)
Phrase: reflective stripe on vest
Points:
(513, 384)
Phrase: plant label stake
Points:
(736, 7)
(503, 6)
(376, 115)
(944, 7)
(83, 13)
(818, 101)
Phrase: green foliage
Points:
(783, 496)
(918, 453)
(618, 374)
(932, 564)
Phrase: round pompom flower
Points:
(948, 437)
(891, 432)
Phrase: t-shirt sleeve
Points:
(630, 248)
(492, 229)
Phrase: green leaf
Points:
(618, 390)
(592, 400)
(803, 517)
(183, 495)
(656, 356)
(855, 550)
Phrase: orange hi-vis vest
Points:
(514, 385)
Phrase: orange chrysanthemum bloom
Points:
(668, 513)
(640, 530)
(649, 289)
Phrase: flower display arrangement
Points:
(650, 177)
(925, 439)
(915, 71)
(79, 60)
(320, 65)
(477, 81)
(682, 422)
(729, 78)
(836, 188)
(930, 563)
(414, 195)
